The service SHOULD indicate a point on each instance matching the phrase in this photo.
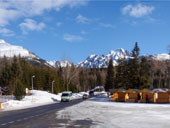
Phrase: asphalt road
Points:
(37, 117)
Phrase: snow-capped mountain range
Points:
(102, 61)
(59, 63)
(160, 57)
(9, 51)
(92, 61)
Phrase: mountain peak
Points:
(120, 50)
(9, 50)
(102, 61)
(91, 56)
(3, 42)
(59, 63)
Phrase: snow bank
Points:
(78, 95)
(105, 114)
(37, 98)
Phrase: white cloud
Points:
(83, 32)
(107, 25)
(72, 38)
(138, 10)
(7, 15)
(12, 9)
(31, 25)
(58, 24)
(82, 19)
(6, 32)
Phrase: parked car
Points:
(91, 93)
(66, 96)
(85, 96)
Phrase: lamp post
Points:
(52, 90)
(32, 81)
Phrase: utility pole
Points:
(52, 90)
(32, 86)
(32, 81)
(168, 66)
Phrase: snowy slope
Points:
(52, 63)
(64, 63)
(160, 57)
(102, 61)
(9, 50)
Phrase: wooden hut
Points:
(121, 95)
(146, 96)
(131, 95)
(169, 94)
(118, 95)
(113, 96)
(160, 96)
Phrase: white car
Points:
(66, 96)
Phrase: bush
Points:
(19, 92)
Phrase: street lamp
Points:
(32, 81)
(52, 86)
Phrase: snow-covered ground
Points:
(105, 114)
(36, 99)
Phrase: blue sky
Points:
(73, 29)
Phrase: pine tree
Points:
(134, 68)
(135, 51)
(126, 72)
(99, 79)
(145, 74)
(120, 77)
(110, 76)
(19, 92)
(26, 70)
(5, 74)
(15, 68)
(15, 74)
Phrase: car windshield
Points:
(65, 94)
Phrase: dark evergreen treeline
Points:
(134, 72)
(130, 73)
(18, 70)
(138, 73)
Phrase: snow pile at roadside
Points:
(100, 93)
(78, 95)
(37, 98)
(43, 96)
